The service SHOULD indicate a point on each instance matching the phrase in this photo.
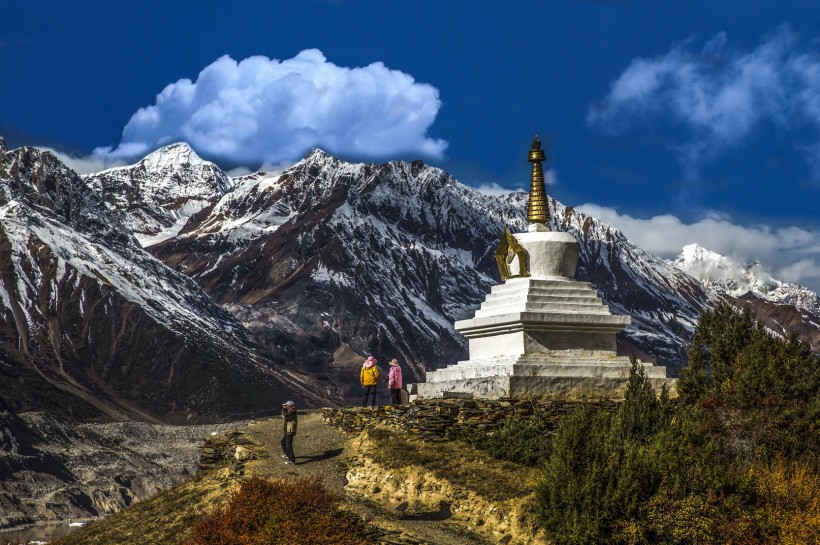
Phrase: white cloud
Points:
(496, 189)
(801, 271)
(86, 165)
(266, 110)
(791, 253)
(719, 96)
(267, 168)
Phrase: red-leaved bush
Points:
(278, 512)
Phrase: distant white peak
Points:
(718, 270)
(319, 156)
(316, 155)
(723, 274)
(174, 154)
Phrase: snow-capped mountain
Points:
(91, 323)
(728, 276)
(156, 196)
(329, 260)
(785, 308)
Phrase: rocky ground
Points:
(55, 472)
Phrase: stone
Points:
(243, 454)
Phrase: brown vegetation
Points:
(278, 512)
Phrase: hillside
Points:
(736, 455)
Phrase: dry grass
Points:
(453, 461)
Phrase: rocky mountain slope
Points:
(50, 471)
(91, 324)
(332, 260)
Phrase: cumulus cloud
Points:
(718, 95)
(790, 253)
(86, 165)
(266, 110)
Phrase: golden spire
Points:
(537, 209)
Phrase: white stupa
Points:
(540, 333)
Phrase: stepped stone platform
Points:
(544, 336)
(562, 374)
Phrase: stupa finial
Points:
(537, 208)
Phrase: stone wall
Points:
(225, 448)
(441, 419)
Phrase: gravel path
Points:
(320, 451)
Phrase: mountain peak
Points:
(316, 152)
(712, 267)
(696, 252)
(175, 154)
(317, 155)
(156, 196)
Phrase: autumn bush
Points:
(789, 501)
(278, 512)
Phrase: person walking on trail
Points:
(289, 428)
(369, 377)
(394, 382)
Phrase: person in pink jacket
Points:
(394, 382)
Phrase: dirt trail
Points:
(321, 450)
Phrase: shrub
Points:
(760, 394)
(525, 440)
(576, 478)
(277, 512)
(601, 471)
(735, 463)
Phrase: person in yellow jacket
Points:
(369, 377)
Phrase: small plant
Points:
(278, 512)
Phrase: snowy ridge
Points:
(118, 262)
(93, 320)
(726, 275)
(155, 197)
(139, 278)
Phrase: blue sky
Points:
(677, 122)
